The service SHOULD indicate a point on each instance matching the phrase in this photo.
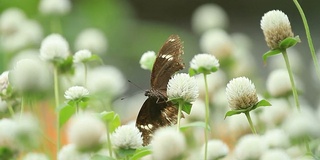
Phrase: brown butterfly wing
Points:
(154, 115)
(156, 112)
(167, 63)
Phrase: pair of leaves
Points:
(261, 103)
(111, 119)
(203, 70)
(283, 45)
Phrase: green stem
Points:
(250, 122)
(22, 106)
(207, 114)
(179, 116)
(311, 47)
(56, 95)
(11, 110)
(109, 142)
(85, 74)
(294, 89)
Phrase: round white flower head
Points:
(216, 42)
(147, 60)
(86, 138)
(277, 138)
(4, 81)
(76, 92)
(250, 147)
(217, 149)
(106, 80)
(92, 39)
(29, 76)
(167, 143)
(182, 86)
(205, 61)
(275, 154)
(70, 152)
(81, 56)
(209, 16)
(276, 27)
(7, 132)
(278, 83)
(35, 156)
(10, 20)
(276, 113)
(127, 137)
(55, 7)
(54, 46)
(241, 93)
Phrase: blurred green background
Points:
(133, 27)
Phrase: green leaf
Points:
(125, 152)
(270, 53)
(65, 113)
(192, 72)
(232, 112)
(195, 124)
(289, 42)
(94, 57)
(141, 152)
(186, 107)
(112, 119)
(261, 103)
(101, 157)
(66, 65)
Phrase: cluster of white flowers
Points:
(127, 137)
(54, 46)
(205, 61)
(76, 92)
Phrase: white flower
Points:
(10, 20)
(167, 143)
(70, 152)
(216, 149)
(4, 81)
(127, 137)
(35, 156)
(147, 60)
(216, 42)
(197, 111)
(76, 92)
(276, 113)
(7, 132)
(277, 138)
(209, 16)
(55, 7)
(275, 154)
(182, 86)
(205, 61)
(30, 75)
(107, 80)
(81, 56)
(92, 39)
(54, 46)
(278, 83)
(276, 27)
(241, 93)
(250, 147)
(86, 132)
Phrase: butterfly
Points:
(156, 111)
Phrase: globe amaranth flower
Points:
(76, 92)
(275, 154)
(241, 93)
(88, 138)
(92, 39)
(204, 63)
(4, 81)
(250, 146)
(182, 87)
(147, 60)
(35, 156)
(278, 83)
(82, 56)
(127, 137)
(54, 46)
(276, 27)
(70, 151)
(167, 144)
(55, 7)
(219, 147)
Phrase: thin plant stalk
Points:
(206, 117)
(11, 110)
(109, 142)
(250, 122)
(310, 43)
(293, 86)
(22, 106)
(179, 116)
(85, 74)
(56, 95)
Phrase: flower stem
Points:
(22, 106)
(179, 116)
(294, 89)
(85, 74)
(311, 47)
(250, 122)
(56, 95)
(206, 117)
(11, 110)
(109, 142)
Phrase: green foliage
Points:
(238, 111)
(111, 119)
(195, 124)
(202, 70)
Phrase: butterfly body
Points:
(156, 111)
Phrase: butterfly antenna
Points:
(136, 85)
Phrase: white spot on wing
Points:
(172, 40)
(150, 126)
(167, 56)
